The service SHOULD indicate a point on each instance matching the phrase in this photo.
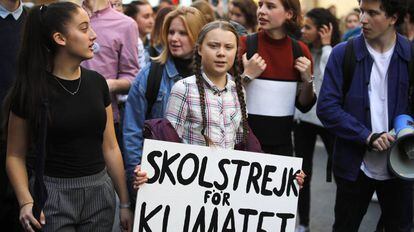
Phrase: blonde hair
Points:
(193, 21)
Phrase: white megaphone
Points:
(401, 153)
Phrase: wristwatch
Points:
(312, 78)
(246, 79)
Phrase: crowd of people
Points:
(79, 82)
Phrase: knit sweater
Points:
(271, 97)
(11, 33)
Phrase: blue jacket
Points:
(351, 121)
(136, 108)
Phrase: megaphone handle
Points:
(374, 137)
(392, 133)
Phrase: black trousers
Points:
(305, 139)
(353, 197)
(278, 149)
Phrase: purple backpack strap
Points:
(160, 129)
(252, 145)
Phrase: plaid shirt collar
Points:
(213, 87)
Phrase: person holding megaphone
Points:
(365, 87)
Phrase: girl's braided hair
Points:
(199, 78)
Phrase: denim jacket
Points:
(136, 108)
(351, 121)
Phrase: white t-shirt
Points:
(374, 164)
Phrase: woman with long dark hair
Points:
(60, 129)
(321, 32)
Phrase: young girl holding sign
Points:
(209, 108)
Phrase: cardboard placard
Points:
(195, 188)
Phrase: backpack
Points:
(152, 51)
(252, 44)
(153, 85)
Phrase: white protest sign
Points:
(195, 188)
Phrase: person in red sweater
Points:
(275, 82)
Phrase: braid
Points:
(225, 26)
(201, 91)
(240, 95)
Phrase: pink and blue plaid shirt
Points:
(117, 56)
(224, 118)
